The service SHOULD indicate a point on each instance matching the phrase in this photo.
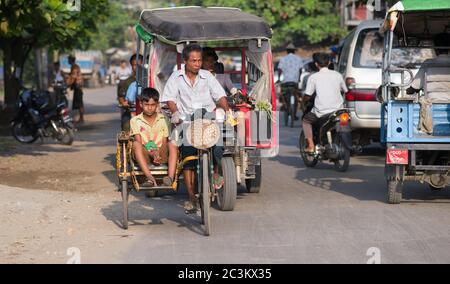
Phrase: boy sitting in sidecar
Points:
(150, 131)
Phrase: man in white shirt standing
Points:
(290, 66)
(328, 85)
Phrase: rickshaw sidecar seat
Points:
(151, 167)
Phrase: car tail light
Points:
(397, 157)
(357, 95)
(349, 81)
(344, 119)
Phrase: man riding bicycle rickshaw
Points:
(224, 153)
(187, 91)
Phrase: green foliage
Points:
(50, 23)
(112, 33)
(313, 20)
(28, 24)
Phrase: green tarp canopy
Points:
(420, 5)
(418, 18)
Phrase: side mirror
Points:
(395, 92)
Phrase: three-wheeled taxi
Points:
(242, 42)
(415, 123)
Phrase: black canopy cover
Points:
(200, 24)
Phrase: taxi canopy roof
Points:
(418, 18)
(203, 24)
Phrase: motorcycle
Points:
(333, 140)
(42, 114)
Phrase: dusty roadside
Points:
(55, 196)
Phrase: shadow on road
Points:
(159, 210)
(366, 183)
(167, 206)
(364, 179)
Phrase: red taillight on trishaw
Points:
(344, 119)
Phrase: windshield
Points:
(369, 52)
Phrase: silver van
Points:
(360, 65)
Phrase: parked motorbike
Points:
(42, 114)
(333, 140)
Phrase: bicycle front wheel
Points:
(205, 196)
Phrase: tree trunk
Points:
(15, 53)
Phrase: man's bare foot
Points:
(190, 207)
(309, 150)
(151, 181)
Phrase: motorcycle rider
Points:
(290, 66)
(122, 89)
(327, 84)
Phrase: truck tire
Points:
(394, 194)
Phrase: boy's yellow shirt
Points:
(150, 133)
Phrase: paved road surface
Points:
(302, 215)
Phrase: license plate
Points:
(396, 157)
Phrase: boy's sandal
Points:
(167, 181)
(149, 183)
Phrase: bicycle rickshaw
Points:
(161, 37)
(415, 127)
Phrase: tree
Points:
(314, 20)
(28, 24)
(112, 33)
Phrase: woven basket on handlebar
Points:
(203, 133)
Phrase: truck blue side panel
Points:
(403, 123)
